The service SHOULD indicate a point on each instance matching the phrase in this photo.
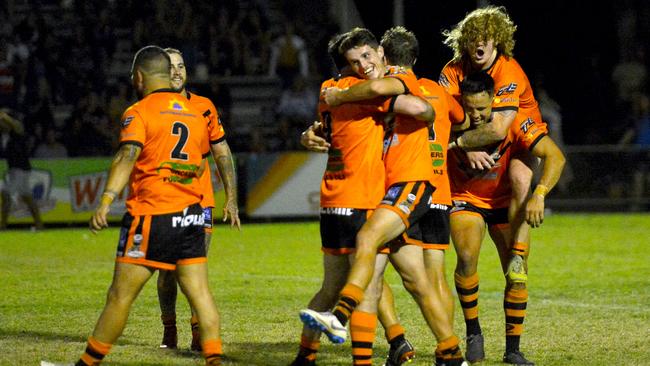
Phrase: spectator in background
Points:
(119, 99)
(552, 115)
(629, 77)
(289, 56)
(50, 147)
(638, 132)
(12, 148)
(297, 105)
(7, 77)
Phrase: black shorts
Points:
(339, 228)
(163, 241)
(491, 216)
(410, 200)
(432, 230)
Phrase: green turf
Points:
(589, 296)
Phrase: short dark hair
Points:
(358, 37)
(476, 83)
(333, 50)
(153, 60)
(401, 47)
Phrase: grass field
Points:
(589, 296)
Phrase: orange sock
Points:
(448, 349)
(467, 289)
(308, 348)
(212, 351)
(514, 305)
(95, 352)
(362, 331)
(349, 298)
(394, 331)
(520, 248)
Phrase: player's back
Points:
(173, 136)
(354, 176)
(406, 156)
(448, 111)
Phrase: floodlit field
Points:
(589, 296)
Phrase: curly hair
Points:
(481, 25)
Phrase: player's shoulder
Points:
(507, 65)
(199, 100)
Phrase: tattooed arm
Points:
(226, 167)
(489, 133)
(118, 177)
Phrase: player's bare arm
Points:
(414, 106)
(366, 90)
(226, 167)
(312, 139)
(118, 177)
(489, 133)
(554, 161)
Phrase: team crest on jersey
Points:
(127, 121)
(177, 105)
(507, 89)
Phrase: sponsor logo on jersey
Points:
(438, 206)
(188, 220)
(525, 125)
(338, 211)
(507, 89)
(127, 121)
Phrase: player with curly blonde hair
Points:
(483, 42)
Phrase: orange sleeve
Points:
(450, 80)
(528, 132)
(133, 129)
(456, 112)
(216, 132)
(510, 83)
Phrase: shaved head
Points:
(152, 60)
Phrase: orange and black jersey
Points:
(491, 188)
(216, 135)
(173, 136)
(406, 149)
(448, 112)
(354, 176)
(512, 90)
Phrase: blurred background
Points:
(64, 71)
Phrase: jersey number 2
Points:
(180, 129)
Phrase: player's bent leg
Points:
(128, 280)
(409, 263)
(193, 280)
(167, 294)
(382, 226)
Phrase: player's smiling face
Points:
(478, 107)
(482, 54)
(366, 61)
(179, 73)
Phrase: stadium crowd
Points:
(62, 66)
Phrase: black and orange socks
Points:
(514, 305)
(212, 352)
(350, 296)
(362, 331)
(95, 352)
(467, 289)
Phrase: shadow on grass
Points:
(31, 335)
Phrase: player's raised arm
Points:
(554, 161)
(366, 90)
(414, 106)
(118, 177)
